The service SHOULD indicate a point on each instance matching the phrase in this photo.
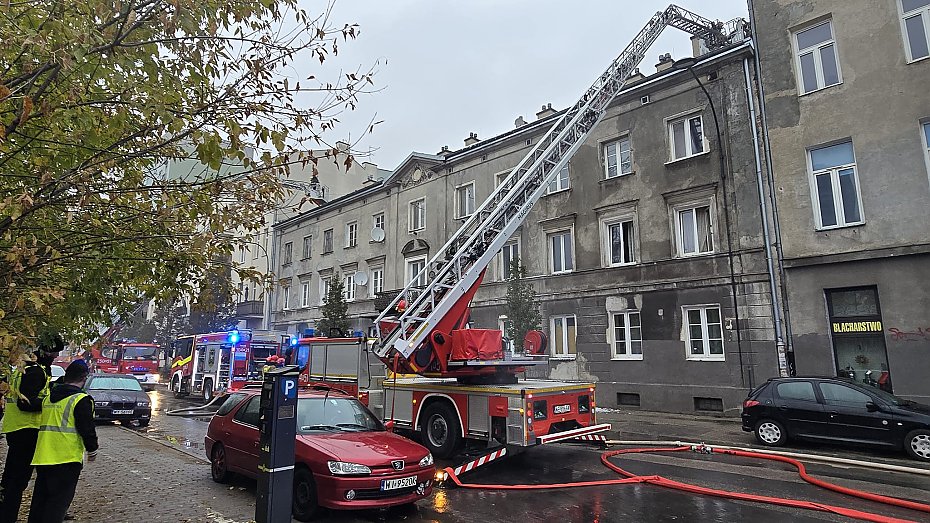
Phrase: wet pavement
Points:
(557, 464)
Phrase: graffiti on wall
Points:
(921, 334)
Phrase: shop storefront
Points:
(857, 334)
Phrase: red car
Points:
(345, 457)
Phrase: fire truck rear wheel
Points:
(207, 390)
(440, 430)
(218, 466)
(306, 503)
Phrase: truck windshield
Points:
(140, 353)
(113, 383)
(334, 414)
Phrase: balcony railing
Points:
(250, 309)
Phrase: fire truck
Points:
(206, 364)
(466, 384)
(138, 359)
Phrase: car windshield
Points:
(334, 414)
(140, 353)
(888, 397)
(113, 383)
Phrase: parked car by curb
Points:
(119, 397)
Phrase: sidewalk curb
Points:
(203, 459)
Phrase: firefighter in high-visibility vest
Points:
(28, 385)
(66, 433)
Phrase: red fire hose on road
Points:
(696, 489)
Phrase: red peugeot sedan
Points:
(345, 457)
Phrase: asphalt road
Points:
(571, 463)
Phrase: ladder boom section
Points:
(450, 274)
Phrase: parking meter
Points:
(276, 445)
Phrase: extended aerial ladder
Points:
(418, 338)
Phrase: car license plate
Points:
(394, 484)
(118, 412)
(562, 409)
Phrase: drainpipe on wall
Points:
(780, 345)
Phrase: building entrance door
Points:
(858, 336)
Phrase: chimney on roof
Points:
(445, 150)
(698, 47)
(665, 62)
(546, 111)
(519, 122)
(472, 139)
(635, 77)
(343, 147)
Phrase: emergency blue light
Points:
(233, 337)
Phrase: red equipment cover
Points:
(477, 344)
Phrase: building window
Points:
(619, 245)
(377, 221)
(417, 216)
(816, 54)
(286, 296)
(327, 241)
(694, 229)
(349, 291)
(561, 247)
(307, 247)
(926, 134)
(562, 334)
(859, 336)
(686, 137)
(916, 22)
(509, 253)
(705, 333)
(414, 266)
(305, 294)
(325, 284)
(560, 183)
(351, 234)
(627, 336)
(377, 281)
(242, 254)
(835, 186)
(618, 159)
(465, 200)
(288, 252)
(499, 178)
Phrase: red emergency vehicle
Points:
(205, 364)
(137, 359)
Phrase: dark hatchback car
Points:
(118, 397)
(836, 410)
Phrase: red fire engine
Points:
(205, 364)
(138, 359)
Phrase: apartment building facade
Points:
(647, 253)
(848, 119)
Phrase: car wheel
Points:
(306, 504)
(917, 444)
(440, 430)
(219, 468)
(770, 432)
(208, 390)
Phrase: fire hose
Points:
(629, 477)
(199, 410)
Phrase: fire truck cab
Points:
(137, 359)
(205, 364)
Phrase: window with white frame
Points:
(288, 252)
(414, 266)
(915, 21)
(465, 200)
(504, 324)
(627, 336)
(619, 243)
(286, 296)
(562, 333)
(377, 281)
(500, 177)
(325, 284)
(327, 241)
(305, 294)
(817, 64)
(348, 283)
(618, 159)
(561, 252)
(560, 183)
(307, 247)
(509, 253)
(694, 228)
(926, 134)
(416, 220)
(351, 234)
(686, 137)
(835, 186)
(242, 253)
(377, 221)
(705, 332)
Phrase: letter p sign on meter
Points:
(276, 445)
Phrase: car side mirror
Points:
(389, 425)
(871, 406)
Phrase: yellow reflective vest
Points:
(15, 419)
(59, 441)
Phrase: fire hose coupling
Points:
(702, 449)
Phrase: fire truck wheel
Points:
(208, 390)
(218, 467)
(176, 387)
(306, 503)
(440, 430)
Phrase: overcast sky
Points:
(449, 68)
